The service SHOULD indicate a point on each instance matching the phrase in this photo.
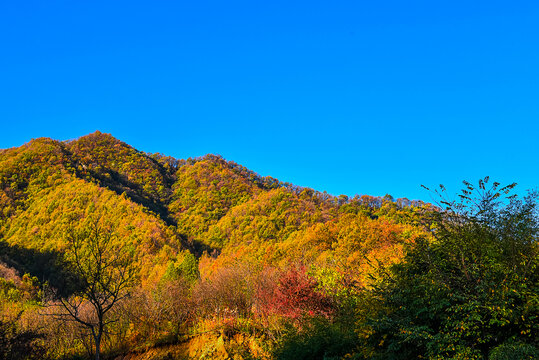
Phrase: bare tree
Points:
(106, 272)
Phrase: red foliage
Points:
(291, 293)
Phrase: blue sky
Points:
(352, 97)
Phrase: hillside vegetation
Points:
(208, 260)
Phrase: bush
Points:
(18, 344)
(227, 293)
(316, 338)
(292, 293)
(514, 351)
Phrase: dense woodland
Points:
(144, 256)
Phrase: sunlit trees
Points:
(217, 249)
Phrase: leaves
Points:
(219, 247)
(469, 291)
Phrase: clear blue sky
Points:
(367, 97)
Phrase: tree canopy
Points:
(230, 264)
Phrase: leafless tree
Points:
(106, 273)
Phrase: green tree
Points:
(471, 289)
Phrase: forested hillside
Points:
(143, 256)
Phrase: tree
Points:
(471, 292)
(105, 273)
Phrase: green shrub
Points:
(511, 350)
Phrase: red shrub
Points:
(291, 293)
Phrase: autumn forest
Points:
(107, 252)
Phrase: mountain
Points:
(197, 204)
(207, 217)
